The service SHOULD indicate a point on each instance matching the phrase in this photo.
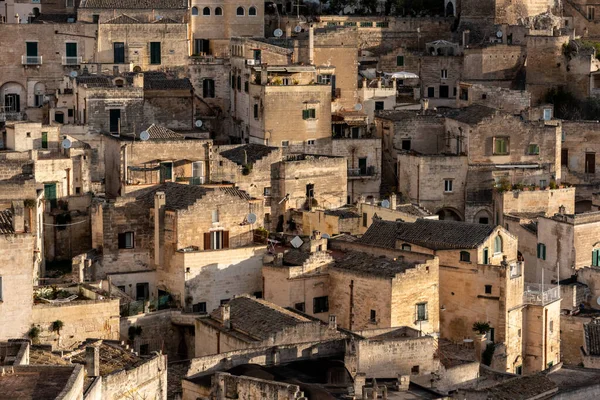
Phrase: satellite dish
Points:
(144, 135)
(385, 204)
(499, 34)
(251, 218)
(278, 33)
(198, 123)
(66, 144)
(326, 236)
(297, 242)
(297, 29)
(358, 107)
(598, 301)
(73, 74)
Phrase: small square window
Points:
(379, 105)
(258, 295)
(199, 307)
(414, 370)
(311, 142)
(224, 301)
(126, 240)
(285, 143)
(533, 149)
(309, 113)
(267, 191)
(405, 144)
(28, 134)
(488, 289)
(299, 306)
(320, 304)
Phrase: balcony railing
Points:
(11, 116)
(31, 60)
(71, 61)
(539, 294)
(361, 172)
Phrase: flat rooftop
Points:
(37, 382)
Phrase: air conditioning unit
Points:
(250, 62)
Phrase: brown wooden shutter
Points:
(207, 241)
(225, 239)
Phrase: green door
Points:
(71, 50)
(166, 172)
(50, 193)
(154, 52)
(44, 140)
(486, 256)
(32, 49)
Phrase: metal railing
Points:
(368, 171)
(539, 294)
(11, 116)
(71, 60)
(139, 306)
(31, 60)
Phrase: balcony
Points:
(356, 173)
(11, 116)
(539, 294)
(31, 60)
(71, 61)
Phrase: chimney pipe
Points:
(311, 44)
(562, 209)
(160, 200)
(92, 361)
(18, 216)
(332, 322)
(288, 30)
(393, 201)
(226, 316)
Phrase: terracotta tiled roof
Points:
(6, 226)
(473, 115)
(167, 84)
(158, 132)
(94, 80)
(134, 4)
(380, 234)
(366, 264)
(259, 318)
(592, 337)
(122, 19)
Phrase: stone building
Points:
(524, 318)
(578, 160)
(199, 257)
(166, 156)
(245, 322)
(590, 352)
(455, 174)
(99, 11)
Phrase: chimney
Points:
(288, 30)
(359, 381)
(160, 200)
(332, 322)
(465, 37)
(264, 75)
(403, 382)
(393, 201)
(115, 70)
(18, 216)
(17, 18)
(424, 104)
(226, 316)
(562, 209)
(317, 235)
(92, 361)
(311, 44)
(278, 260)
(138, 80)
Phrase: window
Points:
(199, 307)
(201, 46)
(126, 240)
(490, 335)
(309, 113)
(596, 258)
(246, 86)
(311, 142)
(590, 163)
(444, 74)
(239, 83)
(365, 220)
(414, 370)
(379, 105)
(541, 251)
(564, 157)
(70, 3)
(519, 370)
(166, 172)
(215, 216)
(119, 52)
(591, 12)
(252, 11)
(543, 183)
(373, 316)
(430, 92)
(256, 111)
(464, 94)
(422, 312)
(533, 149)
(208, 88)
(216, 240)
(95, 18)
(399, 61)
(155, 53)
(349, 23)
(300, 307)
(218, 11)
(324, 79)
(500, 146)
(465, 256)
(142, 291)
(223, 301)
(144, 349)
(488, 289)
(240, 11)
(194, 11)
(362, 166)
(285, 143)
(547, 114)
(206, 11)
(405, 144)
(382, 24)
(70, 112)
(310, 190)
(1, 298)
(198, 173)
(71, 53)
(44, 140)
(267, 191)
(320, 304)
(406, 247)
(233, 81)
(486, 256)
(447, 185)
(551, 326)
(497, 245)
(366, 24)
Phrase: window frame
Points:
(324, 305)
(448, 185)
(533, 149)
(311, 142)
(285, 143)
(237, 11)
(250, 11)
(309, 114)
(487, 289)
(418, 313)
(201, 306)
(399, 60)
(465, 256)
(218, 11)
(123, 240)
(500, 139)
(406, 247)
(541, 251)
(154, 54)
(379, 105)
(498, 244)
(443, 73)
(206, 11)
(195, 11)
(208, 88)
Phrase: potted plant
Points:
(34, 334)
(481, 327)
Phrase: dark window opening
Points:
(300, 307)
(488, 289)
(320, 304)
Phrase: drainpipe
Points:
(311, 45)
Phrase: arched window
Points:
(206, 11)
(498, 244)
(252, 11)
(240, 11)
(465, 256)
(194, 10)
(218, 11)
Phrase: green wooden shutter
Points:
(304, 114)
(595, 258)
(399, 61)
(44, 140)
(155, 53)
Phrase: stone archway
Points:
(13, 97)
(483, 217)
(448, 214)
(450, 9)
